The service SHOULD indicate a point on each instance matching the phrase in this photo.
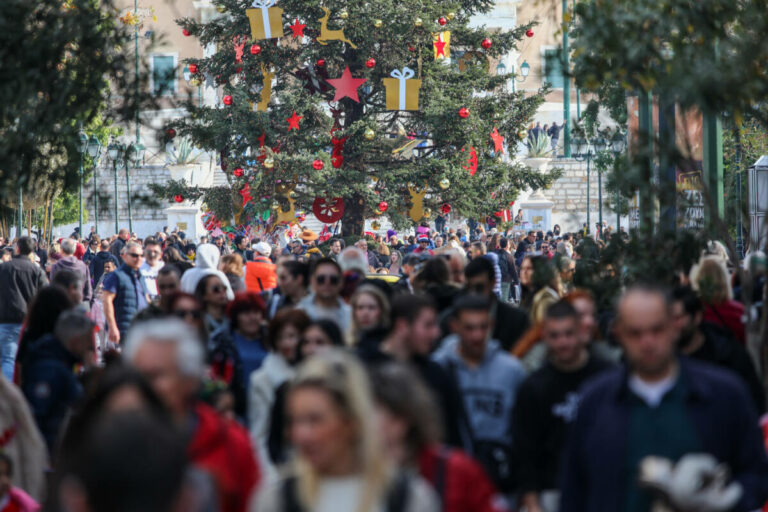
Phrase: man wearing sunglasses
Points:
(325, 301)
(124, 292)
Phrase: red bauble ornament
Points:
(238, 172)
(255, 49)
(193, 68)
(463, 112)
(320, 63)
(171, 133)
(370, 63)
(486, 43)
(178, 198)
(383, 206)
(442, 21)
(529, 33)
(445, 209)
(317, 164)
(227, 100)
(411, 48)
(186, 32)
(328, 210)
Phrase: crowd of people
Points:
(458, 370)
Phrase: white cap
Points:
(262, 248)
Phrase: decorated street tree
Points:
(353, 109)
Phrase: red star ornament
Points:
(298, 29)
(346, 86)
(293, 121)
(498, 141)
(440, 46)
(471, 162)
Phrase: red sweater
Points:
(727, 314)
(223, 449)
(465, 487)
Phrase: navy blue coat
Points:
(720, 409)
(50, 385)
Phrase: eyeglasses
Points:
(184, 313)
(134, 255)
(322, 279)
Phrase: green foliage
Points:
(540, 146)
(234, 131)
(66, 209)
(186, 153)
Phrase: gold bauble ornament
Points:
(344, 14)
(376, 225)
(445, 183)
(195, 82)
(369, 134)
(418, 22)
(427, 213)
(450, 15)
(275, 205)
(377, 212)
(221, 9)
(269, 163)
(377, 23)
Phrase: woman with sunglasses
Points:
(283, 338)
(340, 462)
(212, 292)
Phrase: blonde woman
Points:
(339, 464)
(370, 313)
(710, 278)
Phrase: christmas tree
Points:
(357, 109)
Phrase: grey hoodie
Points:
(488, 391)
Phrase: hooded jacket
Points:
(488, 391)
(75, 265)
(97, 264)
(206, 264)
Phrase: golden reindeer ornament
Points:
(416, 212)
(331, 35)
(286, 216)
(266, 89)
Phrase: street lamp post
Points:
(583, 151)
(599, 148)
(525, 70)
(134, 154)
(115, 150)
(618, 143)
(82, 148)
(94, 151)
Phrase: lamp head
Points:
(525, 69)
(94, 147)
(83, 142)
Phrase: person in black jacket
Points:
(20, 280)
(414, 331)
(50, 384)
(99, 259)
(509, 321)
(546, 401)
(711, 343)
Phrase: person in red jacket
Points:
(170, 356)
(407, 413)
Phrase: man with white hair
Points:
(71, 262)
(171, 356)
(260, 274)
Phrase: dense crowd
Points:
(453, 370)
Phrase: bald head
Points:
(646, 331)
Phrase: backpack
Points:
(503, 264)
(396, 501)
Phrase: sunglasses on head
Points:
(322, 279)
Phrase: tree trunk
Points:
(353, 221)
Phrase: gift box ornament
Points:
(266, 20)
(402, 90)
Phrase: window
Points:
(163, 75)
(553, 67)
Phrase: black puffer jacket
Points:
(20, 279)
